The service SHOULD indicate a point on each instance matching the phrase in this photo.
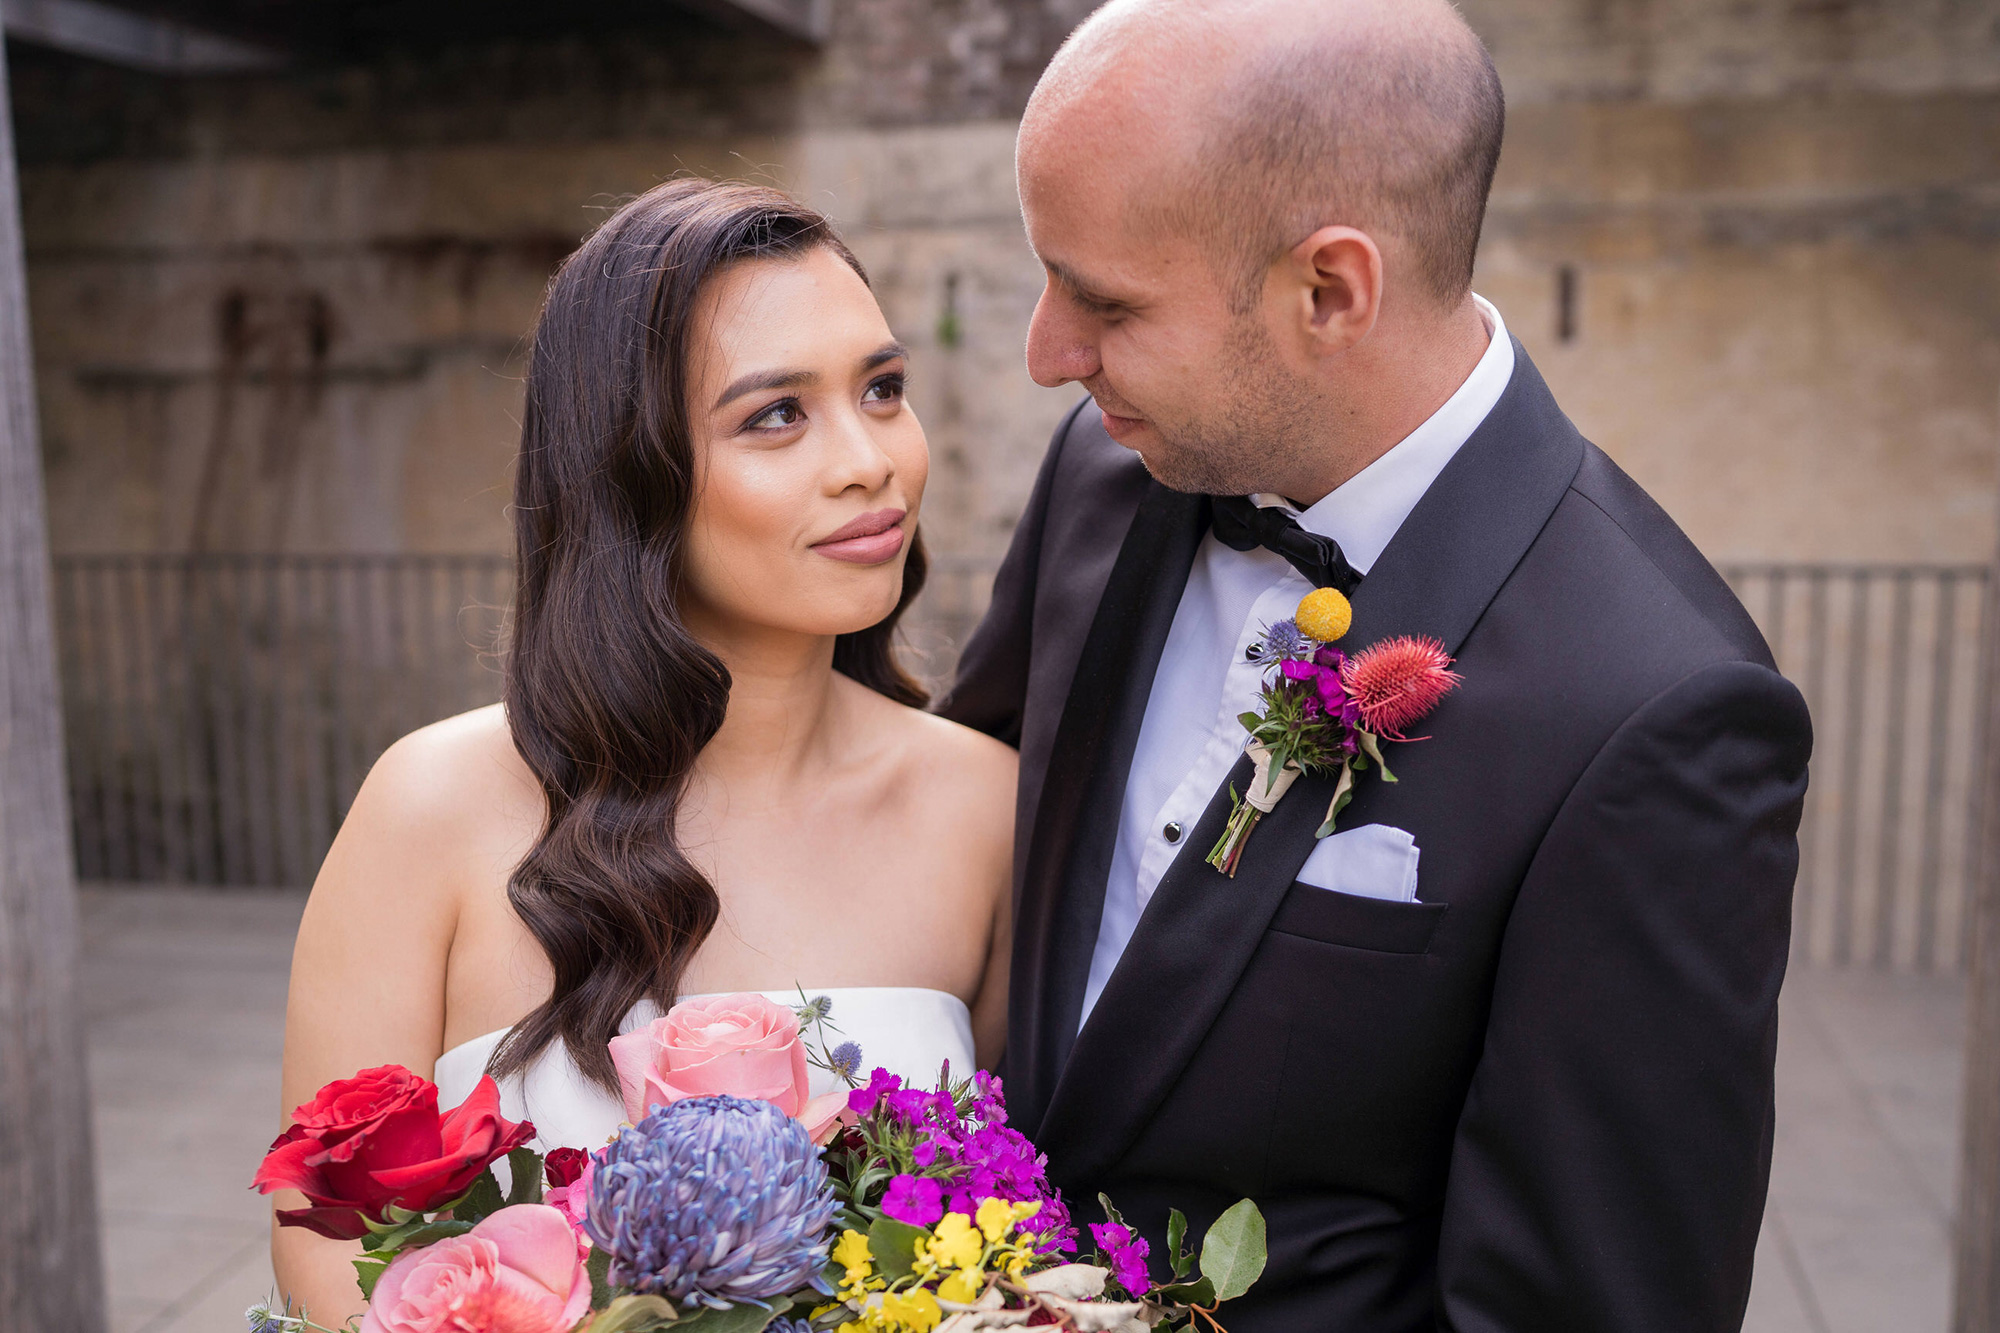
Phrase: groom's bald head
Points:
(1247, 125)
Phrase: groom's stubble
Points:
(1264, 425)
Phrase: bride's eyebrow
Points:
(887, 352)
(758, 380)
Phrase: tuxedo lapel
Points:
(1070, 853)
(1446, 562)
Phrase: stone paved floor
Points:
(186, 997)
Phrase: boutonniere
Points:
(1324, 712)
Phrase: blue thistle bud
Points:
(847, 1059)
(1286, 641)
(816, 1010)
(713, 1201)
(263, 1319)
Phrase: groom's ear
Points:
(1336, 278)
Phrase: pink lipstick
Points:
(868, 540)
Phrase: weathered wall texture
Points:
(288, 313)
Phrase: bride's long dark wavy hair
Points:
(609, 698)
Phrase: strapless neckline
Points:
(911, 1031)
(646, 1011)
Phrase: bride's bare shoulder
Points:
(464, 768)
(450, 800)
(952, 771)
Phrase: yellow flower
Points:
(963, 1286)
(851, 1252)
(954, 1244)
(1324, 614)
(996, 1219)
(915, 1310)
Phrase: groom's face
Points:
(1147, 323)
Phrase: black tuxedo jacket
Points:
(1539, 1098)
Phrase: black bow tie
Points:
(1241, 525)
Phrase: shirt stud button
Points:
(1172, 832)
(1252, 653)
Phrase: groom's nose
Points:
(1062, 341)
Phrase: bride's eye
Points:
(777, 416)
(888, 389)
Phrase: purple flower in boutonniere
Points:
(1329, 696)
(1326, 713)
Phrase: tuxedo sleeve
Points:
(990, 690)
(1610, 1165)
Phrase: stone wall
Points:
(1753, 246)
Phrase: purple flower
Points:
(1127, 1251)
(880, 1083)
(1329, 697)
(914, 1200)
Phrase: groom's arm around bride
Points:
(1498, 1054)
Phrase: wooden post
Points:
(1976, 1304)
(51, 1273)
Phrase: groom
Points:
(1498, 1054)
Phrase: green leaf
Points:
(367, 1271)
(525, 1165)
(1250, 722)
(433, 1232)
(391, 1240)
(894, 1247)
(1232, 1253)
(736, 1319)
(1111, 1214)
(636, 1314)
(1372, 743)
(482, 1200)
(1198, 1292)
(599, 1268)
(1342, 794)
(1182, 1261)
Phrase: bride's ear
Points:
(1336, 279)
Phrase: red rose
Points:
(562, 1166)
(376, 1139)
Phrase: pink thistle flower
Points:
(1398, 681)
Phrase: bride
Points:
(710, 774)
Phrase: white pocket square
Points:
(1372, 861)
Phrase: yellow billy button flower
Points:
(954, 1244)
(1324, 614)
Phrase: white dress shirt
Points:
(1190, 737)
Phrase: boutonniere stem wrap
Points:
(1326, 713)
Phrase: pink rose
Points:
(516, 1272)
(739, 1045)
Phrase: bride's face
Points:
(812, 465)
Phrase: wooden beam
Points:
(139, 41)
(51, 1274)
(1976, 1302)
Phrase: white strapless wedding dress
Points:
(903, 1029)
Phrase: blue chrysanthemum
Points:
(713, 1201)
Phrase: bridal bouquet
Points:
(731, 1202)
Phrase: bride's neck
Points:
(781, 706)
